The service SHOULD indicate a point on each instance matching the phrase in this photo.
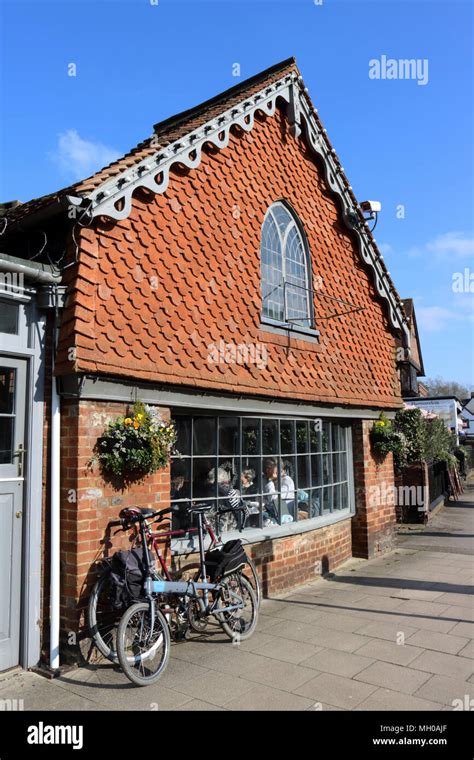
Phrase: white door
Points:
(12, 477)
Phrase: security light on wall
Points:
(371, 208)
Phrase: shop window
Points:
(285, 470)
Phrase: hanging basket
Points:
(136, 445)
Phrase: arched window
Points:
(286, 275)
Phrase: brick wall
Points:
(283, 563)
(286, 562)
(373, 523)
(88, 503)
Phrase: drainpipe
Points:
(34, 272)
(54, 598)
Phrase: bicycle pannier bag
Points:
(225, 560)
(126, 577)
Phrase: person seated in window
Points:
(248, 486)
(270, 495)
(288, 491)
(249, 491)
(179, 490)
(204, 484)
(229, 498)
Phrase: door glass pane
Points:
(8, 318)
(7, 390)
(7, 409)
(6, 439)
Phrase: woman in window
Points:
(288, 491)
(270, 495)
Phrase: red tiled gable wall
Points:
(182, 273)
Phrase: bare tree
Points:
(439, 387)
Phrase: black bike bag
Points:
(227, 559)
(126, 577)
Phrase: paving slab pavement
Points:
(395, 633)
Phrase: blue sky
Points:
(400, 142)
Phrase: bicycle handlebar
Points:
(116, 524)
(126, 523)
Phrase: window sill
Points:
(256, 535)
(289, 330)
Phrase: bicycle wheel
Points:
(238, 624)
(143, 651)
(102, 618)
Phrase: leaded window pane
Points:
(286, 295)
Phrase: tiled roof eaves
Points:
(183, 380)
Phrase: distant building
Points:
(467, 415)
(448, 408)
(410, 362)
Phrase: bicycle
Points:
(192, 570)
(103, 619)
(143, 639)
